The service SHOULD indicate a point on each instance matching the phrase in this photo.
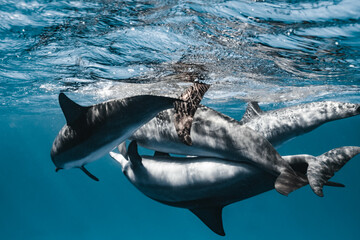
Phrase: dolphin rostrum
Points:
(205, 185)
(214, 134)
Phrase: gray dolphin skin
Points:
(205, 185)
(92, 132)
(277, 126)
(214, 134)
(283, 124)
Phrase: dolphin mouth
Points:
(57, 169)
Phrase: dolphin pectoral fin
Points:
(133, 154)
(185, 110)
(89, 174)
(212, 217)
(72, 111)
(325, 166)
(288, 181)
(334, 184)
(252, 111)
(118, 157)
(161, 154)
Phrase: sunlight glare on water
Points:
(293, 50)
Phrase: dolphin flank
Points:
(214, 134)
(205, 185)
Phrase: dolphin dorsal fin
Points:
(161, 154)
(133, 154)
(212, 217)
(253, 110)
(72, 111)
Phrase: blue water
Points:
(279, 53)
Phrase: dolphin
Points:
(205, 185)
(92, 132)
(277, 126)
(214, 134)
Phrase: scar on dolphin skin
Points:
(185, 111)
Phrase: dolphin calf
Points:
(205, 185)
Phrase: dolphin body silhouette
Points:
(214, 134)
(92, 132)
(205, 185)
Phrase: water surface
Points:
(279, 53)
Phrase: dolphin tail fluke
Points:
(324, 167)
(186, 108)
(288, 181)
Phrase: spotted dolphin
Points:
(205, 185)
(214, 134)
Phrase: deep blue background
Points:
(37, 203)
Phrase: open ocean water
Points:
(280, 53)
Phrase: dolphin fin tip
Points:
(89, 174)
(71, 110)
(334, 184)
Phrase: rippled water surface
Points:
(279, 53)
(270, 51)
